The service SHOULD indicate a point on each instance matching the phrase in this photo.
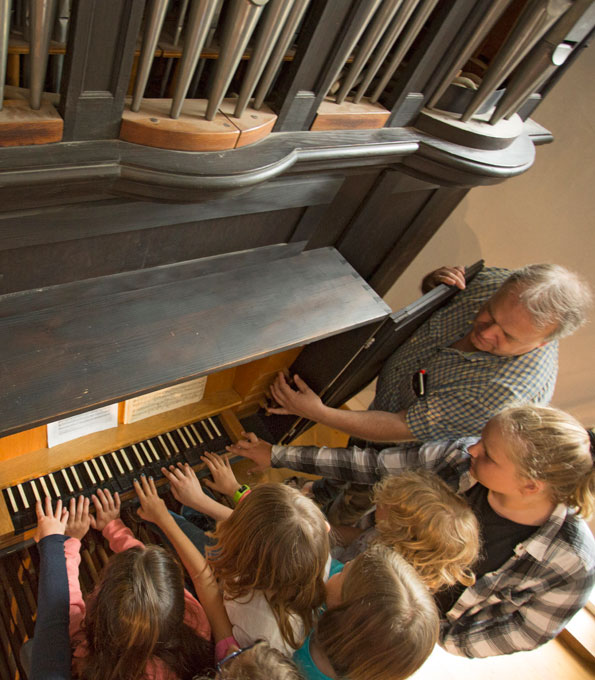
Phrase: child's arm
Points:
(153, 509)
(107, 520)
(50, 658)
(77, 527)
(187, 489)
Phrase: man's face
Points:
(504, 327)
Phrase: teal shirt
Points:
(302, 656)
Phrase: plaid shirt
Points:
(464, 389)
(521, 605)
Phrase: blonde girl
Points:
(380, 624)
(270, 556)
(433, 528)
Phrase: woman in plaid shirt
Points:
(529, 479)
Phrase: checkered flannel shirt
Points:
(521, 605)
(464, 389)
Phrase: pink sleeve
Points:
(195, 617)
(222, 647)
(72, 552)
(120, 537)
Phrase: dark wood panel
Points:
(101, 42)
(72, 357)
(66, 222)
(384, 216)
(56, 263)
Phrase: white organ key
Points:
(117, 462)
(154, 450)
(23, 497)
(97, 470)
(165, 447)
(67, 480)
(184, 441)
(214, 426)
(44, 486)
(137, 454)
(77, 479)
(147, 454)
(173, 443)
(15, 507)
(206, 429)
(106, 468)
(200, 439)
(54, 485)
(35, 491)
(190, 436)
(90, 473)
(128, 465)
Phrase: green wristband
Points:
(240, 492)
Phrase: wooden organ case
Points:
(228, 194)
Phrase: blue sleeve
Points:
(51, 656)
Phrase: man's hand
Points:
(79, 519)
(107, 508)
(451, 276)
(223, 478)
(185, 486)
(50, 521)
(302, 402)
(254, 448)
(152, 507)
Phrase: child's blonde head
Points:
(551, 446)
(275, 541)
(387, 623)
(260, 662)
(137, 613)
(430, 525)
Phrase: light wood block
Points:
(253, 125)
(152, 126)
(21, 126)
(350, 116)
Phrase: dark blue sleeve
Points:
(51, 657)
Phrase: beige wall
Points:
(545, 215)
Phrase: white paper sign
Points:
(164, 400)
(99, 419)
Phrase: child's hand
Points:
(152, 508)
(223, 478)
(254, 448)
(79, 519)
(50, 521)
(107, 508)
(185, 486)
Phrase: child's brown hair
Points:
(137, 613)
(433, 528)
(387, 623)
(275, 541)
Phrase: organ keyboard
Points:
(116, 469)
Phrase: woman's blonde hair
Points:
(137, 613)
(387, 623)
(275, 541)
(430, 525)
(553, 447)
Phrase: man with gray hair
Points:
(494, 344)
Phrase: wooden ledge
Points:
(20, 125)
(152, 126)
(350, 116)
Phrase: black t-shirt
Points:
(499, 537)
